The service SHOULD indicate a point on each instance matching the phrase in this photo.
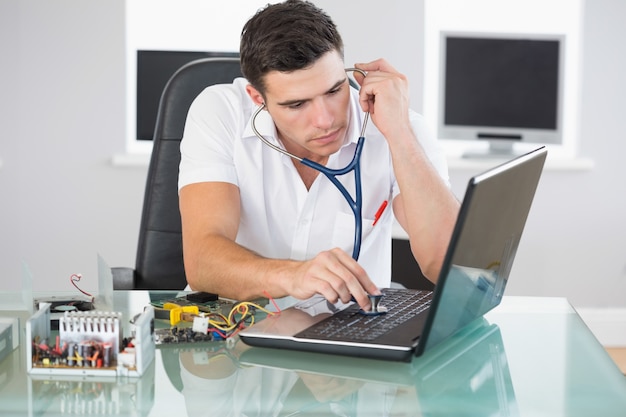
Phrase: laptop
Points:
(472, 280)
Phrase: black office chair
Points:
(404, 269)
(159, 262)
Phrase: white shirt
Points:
(280, 218)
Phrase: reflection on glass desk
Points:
(471, 369)
(529, 356)
(99, 396)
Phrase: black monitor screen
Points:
(501, 82)
(154, 69)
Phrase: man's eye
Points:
(295, 105)
(335, 90)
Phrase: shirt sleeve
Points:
(211, 128)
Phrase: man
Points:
(258, 223)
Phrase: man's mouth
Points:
(326, 139)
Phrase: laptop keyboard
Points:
(348, 324)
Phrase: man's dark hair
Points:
(286, 37)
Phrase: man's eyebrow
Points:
(297, 101)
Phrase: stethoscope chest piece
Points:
(376, 309)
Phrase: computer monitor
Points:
(154, 69)
(501, 88)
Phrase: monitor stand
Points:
(498, 149)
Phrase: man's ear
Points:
(255, 95)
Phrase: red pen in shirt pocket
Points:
(379, 212)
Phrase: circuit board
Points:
(183, 332)
(206, 302)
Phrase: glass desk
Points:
(528, 357)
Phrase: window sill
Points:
(131, 160)
(454, 162)
(560, 157)
(552, 163)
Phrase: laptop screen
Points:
(483, 246)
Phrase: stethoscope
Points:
(355, 204)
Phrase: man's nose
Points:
(322, 115)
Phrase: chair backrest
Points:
(159, 262)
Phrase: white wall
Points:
(575, 243)
(9, 135)
(393, 30)
(62, 113)
(62, 201)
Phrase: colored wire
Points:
(272, 300)
(74, 278)
(240, 316)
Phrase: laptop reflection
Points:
(468, 374)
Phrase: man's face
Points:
(310, 107)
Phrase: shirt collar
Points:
(356, 118)
(264, 124)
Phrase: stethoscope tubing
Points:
(356, 203)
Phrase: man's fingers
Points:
(354, 281)
(377, 65)
(336, 276)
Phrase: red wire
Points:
(278, 310)
(222, 335)
(74, 278)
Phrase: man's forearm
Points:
(221, 266)
(429, 208)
